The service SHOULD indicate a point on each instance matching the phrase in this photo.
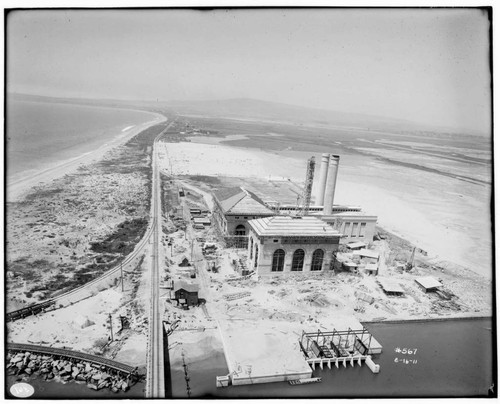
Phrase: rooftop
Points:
(187, 286)
(241, 201)
(428, 282)
(390, 285)
(292, 226)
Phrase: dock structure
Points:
(340, 347)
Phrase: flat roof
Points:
(357, 244)
(292, 226)
(201, 220)
(367, 253)
(428, 282)
(371, 267)
(390, 285)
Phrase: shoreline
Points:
(20, 187)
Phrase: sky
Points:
(430, 66)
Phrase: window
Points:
(245, 217)
(236, 217)
(298, 260)
(276, 240)
(251, 247)
(240, 230)
(346, 228)
(362, 229)
(317, 260)
(278, 261)
(256, 255)
(354, 230)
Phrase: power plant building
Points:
(282, 245)
(234, 207)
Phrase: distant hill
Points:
(251, 109)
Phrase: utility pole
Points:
(121, 273)
(111, 326)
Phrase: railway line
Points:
(73, 293)
(155, 381)
(67, 353)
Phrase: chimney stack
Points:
(330, 184)
(320, 189)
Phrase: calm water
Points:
(454, 358)
(42, 133)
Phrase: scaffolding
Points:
(336, 344)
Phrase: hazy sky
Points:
(429, 66)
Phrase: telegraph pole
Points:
(121, 274)
(111, 326)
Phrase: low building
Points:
(390, 287)
(186, 293)
(286, 244)
(428, 283)
(369, 256)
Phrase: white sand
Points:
(17, 189)
(408, 209)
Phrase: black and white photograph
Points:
(248, 202)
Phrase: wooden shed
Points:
(186, 293)
(428, 283)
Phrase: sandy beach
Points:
(15, 190)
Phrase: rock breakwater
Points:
(48, 367)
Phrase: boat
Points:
(305, 381)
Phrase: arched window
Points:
(278, 261)
(317, 260)
(298, 260)
(240, 230)
(251, 248)
(256, 255)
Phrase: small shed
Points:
(371, 268)
(428, 283)
(195, 211)
(356, 246)
(390, 287)
(186, 293)
(371, 255)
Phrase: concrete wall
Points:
(267, 247)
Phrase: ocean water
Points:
(452, 358)
(40, 134)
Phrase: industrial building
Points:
(286, 244)
(234, 207)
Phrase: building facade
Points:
(234, 207)
(282, 245)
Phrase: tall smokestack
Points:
(320, 190)
(333, 168)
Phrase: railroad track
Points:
(42, 306)
(155, 380)
(68, 353)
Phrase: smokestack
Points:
(320, 190)
(333, 168)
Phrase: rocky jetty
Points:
(95, 376)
